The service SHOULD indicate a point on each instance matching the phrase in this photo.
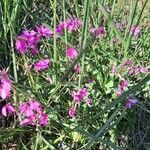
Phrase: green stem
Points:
(55, 46)
(84, 37)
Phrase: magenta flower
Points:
(98, 32)
(25, 121)
(130, 103)
(122, 86)
(31, 37)
(72, 112)
(23, 107)
(135, 31)
(88, 102)
(43, 120)
(60, 28)
(21, 45)
(92, 29)
(83, 92)
(71, 53)
(5, 85)
(8, 109)
(73, 24)
(144, 70)
(137, 70)
(34, 105)
(79, 95)
(127, 63)
(27, 40)
(44, 31)
(41, 64)
(31, 113)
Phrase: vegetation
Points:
(74, 74)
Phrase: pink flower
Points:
(122, 86)
(144, 70)
(8, 109)
(35, 106)
(137, 70)
(43, 120)
(118, 92)
(71, 53)
(92, 29)
(136, 31)
(60, 28)
(100, 31)
(31, 113)
(79, 95)
(21, 46)
(25, 121)
(73, 24)
(127, 63)
(44, 31)
(130, 103)
(89, 102)
(23, 107)
(5, 85)
(27, 40)
(72, 112)
(41, 64)
(83, 92)
(30, 37)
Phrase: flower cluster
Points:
(29, 39)
(134, 70)
(121, 87)
(137, 70)
(5, 93)
(79, 96)
(71, 25)
(98, 32)
(32, 113)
